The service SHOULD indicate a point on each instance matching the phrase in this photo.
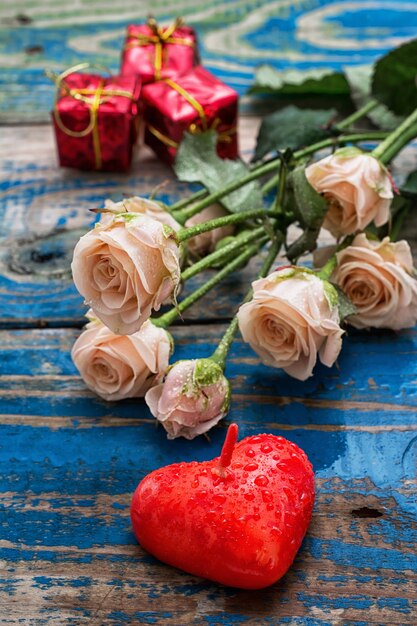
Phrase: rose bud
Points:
(125, 268)
(292, 318)
(135, 204)
(357, 188)
(120, 366)
(193, 397)
(205, 243)
(377, 277)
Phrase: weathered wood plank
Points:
(350, 425)
(351, 567)
(234, 39)
(69, 463)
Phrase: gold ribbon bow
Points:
(92, 98)
(194, 128)
(159, 37)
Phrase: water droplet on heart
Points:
(250, 452)
(251, 467)
(203, 472)
(266, 495)
(195, 483)
(256, 439)
(269, 506)
(266, 447)
(261, 480)
(283, 465)
(219, 498)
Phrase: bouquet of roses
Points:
(141, 252)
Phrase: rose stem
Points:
(220, 353)
(327, 270)
(165, 320)
(326, 143)
(228, 446)
(357, 115)
(266, 168)
(396, 140)
(198, 195)
(234, 218)
(223, 253)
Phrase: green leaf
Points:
(394, 79)
(292, 128)
(345, 305)
(293, 82)
(197, 161)
(310, 209)
(359, 79)
(311, 206)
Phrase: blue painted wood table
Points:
(69, 461)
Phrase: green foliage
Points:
(309, 207)
(292, 128)
(394, 79)
(197, 161)
(345, 305)
(359, 79)
(268, 80)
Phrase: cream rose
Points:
(135, 204)
(357, 187)
(119, 366)
(291, 319)
(125, 268)
(376, 277)
(206, 242)
(194, 396)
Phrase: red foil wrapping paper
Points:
(95, 121)
(193, 102)
(153, 52)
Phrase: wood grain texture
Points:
(234, 37)
(70, 461)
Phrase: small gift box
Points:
(194, 102)
(153, 52)
(95, 120)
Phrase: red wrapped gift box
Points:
(153, 52)
(95, 120)
(193, 102)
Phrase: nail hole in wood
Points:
(366, 512)
(23, 19)
(34, 49)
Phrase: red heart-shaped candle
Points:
(238, 519)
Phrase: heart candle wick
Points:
(228, 447)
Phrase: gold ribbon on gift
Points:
(159, 37)
(92, 98)
(194, 129)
